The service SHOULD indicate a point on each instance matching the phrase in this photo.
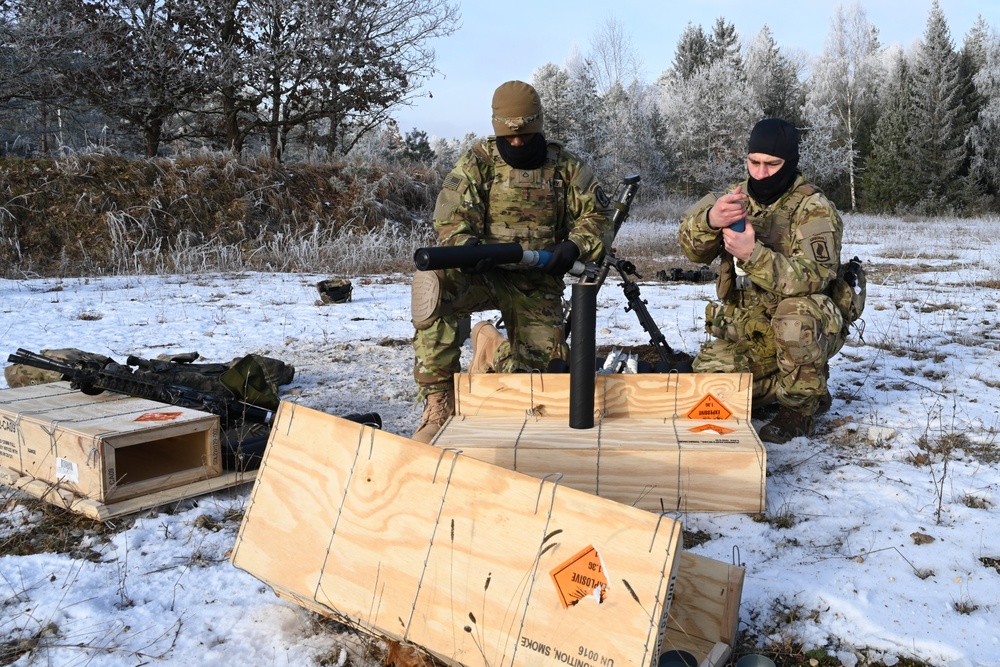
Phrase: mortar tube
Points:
(582, 371)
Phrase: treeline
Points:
(884, 129)
(224, 74)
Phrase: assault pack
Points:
(849, 290)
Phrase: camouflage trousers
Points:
(532, 310)
(787, 352)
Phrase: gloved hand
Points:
(482, 266)
(563, 256)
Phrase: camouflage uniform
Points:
(778, 321)
(484, 198)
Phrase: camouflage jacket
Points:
(797, 251)
(485, 198)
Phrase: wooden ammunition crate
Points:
(704, 614)
(479, 565)
(660, 442)
(92, 452)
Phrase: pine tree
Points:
(773, 78)
(724, 44)
(555, 90)
(417, 147)
(971, 60)
(938, 138)
(887, 183)
(691, 53)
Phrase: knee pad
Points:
(425, 298)
(798, 338)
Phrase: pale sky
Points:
(500, 41)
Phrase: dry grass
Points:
(101, 214)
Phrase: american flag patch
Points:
(452, 182)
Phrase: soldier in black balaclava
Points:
(775, 317)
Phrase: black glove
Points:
(482, 266)
(563, 256)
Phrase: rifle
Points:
(93, 378)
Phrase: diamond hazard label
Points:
(158, 416)
(579, 577)
(721, 430)
(709, 408)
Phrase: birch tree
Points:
(846, 80)
(613, 58)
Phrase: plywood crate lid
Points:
(477, 564)
(104, 415)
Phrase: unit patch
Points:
(820, 249)
(602, 197)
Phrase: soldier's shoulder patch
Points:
(452, 182)
(602, 197)
(821, 248)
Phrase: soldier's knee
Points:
(798, 333)
(425, 298)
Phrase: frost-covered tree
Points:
(555, 89)
(888, 181)
(773, 77)
(724, 43)
(133, 60)
(586, 130)
(446, 152)
(691, 54)
(823, 157)
(971, 59)
(984, 137)
(938, 137)
(631, 144)
(846, 80)
(613, 59)
(710, 116)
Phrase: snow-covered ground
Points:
(878, 542)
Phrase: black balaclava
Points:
(777, 137)
(529, 156)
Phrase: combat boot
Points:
(825, 403)
(787, 424)
(438, 408)
(486, 340)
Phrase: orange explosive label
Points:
(709, 408)
(579, 577)
(721, 430)
(158, 416)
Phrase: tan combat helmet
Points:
(517, 109)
